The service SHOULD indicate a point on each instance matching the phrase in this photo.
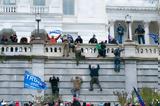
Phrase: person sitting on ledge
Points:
(14, 38)
(101, 47)
(4, 40)
(24, 40)
(114, 41)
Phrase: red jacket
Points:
(17, 103)
(53, 40)
(88, 104)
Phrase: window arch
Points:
(39, 2)
(9, 2)
(68, 7)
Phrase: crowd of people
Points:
(74, 102)
(12, 39)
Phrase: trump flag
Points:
(33, 82)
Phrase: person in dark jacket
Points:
(93, 39)
(14, 38)
(140, 33)
(4, 40)
(120, 32)
(54, 84)
(94, 77)
(117, 59)
(79, 40)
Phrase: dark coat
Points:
(93, 40)
(94, 71)
(79, 40)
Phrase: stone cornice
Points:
(130, 8)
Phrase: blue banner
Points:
(33, 82)
(155, 37)
(56, 32)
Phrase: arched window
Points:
(9, 2)
(68, 7)
(39, 2)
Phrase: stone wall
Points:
(139, 68)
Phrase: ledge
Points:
(29, 58)
(131, 8)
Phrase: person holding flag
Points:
(53, 39)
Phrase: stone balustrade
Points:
(89, 50)
(16, 49)
(39, 9)
(149, 51)
(7, 8)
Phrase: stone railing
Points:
(149, 51)
(39, 9)
(8, 8)
(89, 50)
(15, 49)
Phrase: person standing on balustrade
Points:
(139, 32)
(120, 32)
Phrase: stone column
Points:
(146, 28)
(106, 31)
(111, 32)
(38, 64)
(130, 31)
(130, 67)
